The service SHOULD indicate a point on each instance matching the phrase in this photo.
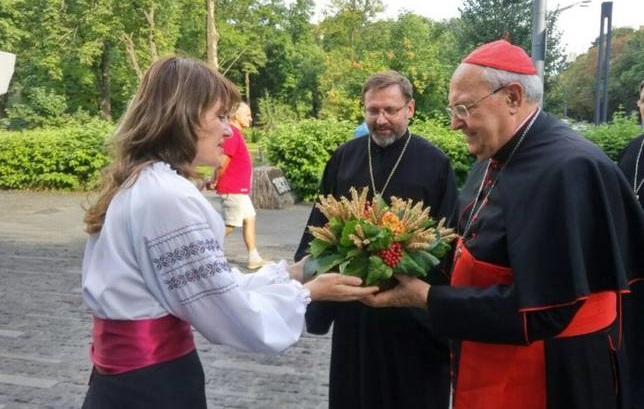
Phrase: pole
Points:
(603, 58)
(609, 17)
(539, 35)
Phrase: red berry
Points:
(392, 255)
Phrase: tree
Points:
(627, 69)
(577, 81)
(487, 20)
(212, 35)
(416, 50)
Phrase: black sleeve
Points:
(491, 315)
(447, 207)
(634, 340)
(449, 197)
(316, 218)
(319, 314)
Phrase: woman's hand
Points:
(296, 270)
(337, 287)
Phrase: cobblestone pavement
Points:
(45, 329)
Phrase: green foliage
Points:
(417, 51)
(577, 82)
(302, 149)
(488, 20)
(68, 158)
(626, 69)
(88, 55)
(612, 138)
(40, 107)
(450, 142)
(374, 240)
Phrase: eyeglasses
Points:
(462, 111)
(388, 112)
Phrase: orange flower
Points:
(392, 222)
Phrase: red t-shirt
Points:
(237, 176)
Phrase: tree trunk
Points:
(247, 78)
(212, 36)
(152, 43)
(131, 53)
(104, 84)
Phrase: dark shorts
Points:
(176, 384)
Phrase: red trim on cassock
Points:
(503, 376)
(121, 346)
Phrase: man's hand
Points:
(410, 292)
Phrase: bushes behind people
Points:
(70, 157)
(66, 158)
(614, 136)
(301, 149)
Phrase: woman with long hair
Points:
(154, 265)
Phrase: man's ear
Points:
(514, 95)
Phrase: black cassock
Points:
(562, 218)
(634, 304)
(385, 358)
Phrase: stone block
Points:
(270, 189)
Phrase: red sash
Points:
(502, 376)
(121, 346)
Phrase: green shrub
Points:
(301, 149)
(450, 142)
(68, 158)
(252, 135)
(612, 137)
(72, 156)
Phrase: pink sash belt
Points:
(121, 346)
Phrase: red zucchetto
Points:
(502, 55)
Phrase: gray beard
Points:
(383, 143)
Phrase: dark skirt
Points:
(176, 384)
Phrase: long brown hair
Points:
(160, 125)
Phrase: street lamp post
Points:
(539, 35)
(603, 58)
(539, 31)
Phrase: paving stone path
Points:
(45, 328)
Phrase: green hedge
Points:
(450, 142)
(71, 157)
(612, 138)
(301, 149)
(67, 158)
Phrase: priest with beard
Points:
(385, 358)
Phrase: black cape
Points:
(634, 303)
(385, 358)
(562, 218)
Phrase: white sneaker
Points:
(254, 265)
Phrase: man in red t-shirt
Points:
(233, 181)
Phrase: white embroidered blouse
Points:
(160, 252)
